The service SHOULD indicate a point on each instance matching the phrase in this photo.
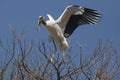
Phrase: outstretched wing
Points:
(73, 16)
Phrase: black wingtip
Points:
(76, 6)
(92, 16)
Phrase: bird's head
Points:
(40, 21)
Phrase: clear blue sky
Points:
(23, 14)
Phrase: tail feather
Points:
(63, 45)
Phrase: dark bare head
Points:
(41, 20)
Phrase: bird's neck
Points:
(44, 22)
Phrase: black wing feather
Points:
(89, 16)
(71, 25)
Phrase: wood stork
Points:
(71, 18)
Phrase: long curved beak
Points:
(38, 26)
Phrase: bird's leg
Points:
(54, 44)
(60, 43)
(63, 57)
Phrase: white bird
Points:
(71, 18)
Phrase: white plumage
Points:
(71, 18)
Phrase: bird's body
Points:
(71, 18)
(56, 33)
